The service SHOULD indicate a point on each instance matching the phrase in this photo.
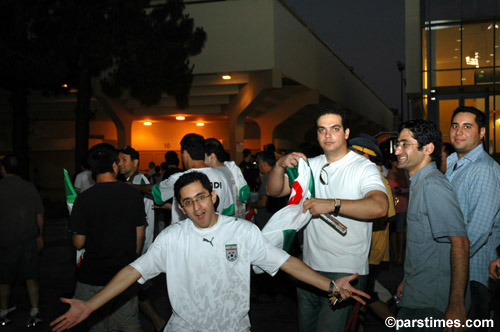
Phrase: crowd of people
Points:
(430, 207)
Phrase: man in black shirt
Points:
(108, 221)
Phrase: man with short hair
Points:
(266, 205)
(108, 221)
(437, 248)
(193, 158)
(128, 166)
(21, 230)
(172, 161)
(207, 259)
(476, 178)
(349, 187)
(215, 157)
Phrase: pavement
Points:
(273, 304)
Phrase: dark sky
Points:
(367, 34)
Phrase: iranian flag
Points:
(280, 230)
(71, 194)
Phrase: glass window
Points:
(445, 47)
(477, 45)
(494, 123)
(496, 33)
(446, 78)
(468, 77)
(446, 108)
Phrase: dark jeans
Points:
(316, 314)
(480, 303)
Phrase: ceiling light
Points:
(148, 123)
(457, 49)
(459, 40)
(226, 77)
(180, 117)
(64, 86)
(200, 124)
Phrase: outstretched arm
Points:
(297, 269)
(80, 310)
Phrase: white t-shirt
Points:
(351, 177)
(164, 191)
(141, 179)
(226, 172)
(84, 181)
(208, 272)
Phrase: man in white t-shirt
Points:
(348, 187)
(207, 260)
(128, 166)
(215, 157)
(193, 158)
(83, 180)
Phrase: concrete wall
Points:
(240, 35)
(301, 56)
(263, 34)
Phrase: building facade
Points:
(453, 59)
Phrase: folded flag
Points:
(281, 229)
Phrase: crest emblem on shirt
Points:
(231, 252)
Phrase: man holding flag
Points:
(349, 189)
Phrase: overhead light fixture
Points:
(491, 26)
(180, 117)
(148, 123)
(64, 86)
(200, 124)
(226, 77)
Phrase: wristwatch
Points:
(337, 204)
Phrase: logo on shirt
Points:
(231, 252)
(209, 241)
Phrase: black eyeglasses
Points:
(324, 182)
